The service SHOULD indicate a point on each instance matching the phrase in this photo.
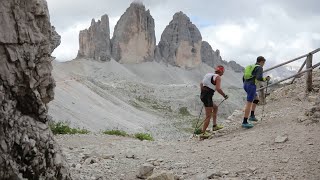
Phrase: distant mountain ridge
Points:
(281, 73)
(134, 41)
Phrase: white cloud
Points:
(230, 34)
(241, 31)
(113, 21)
(69, 46)
(272, 34)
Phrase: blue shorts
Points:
(251, 91)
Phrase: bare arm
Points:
(201, 86)
(218, 86)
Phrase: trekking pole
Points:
(197, 127)
(265, 97)
(198, 121)
(221, 102)
(199, 116)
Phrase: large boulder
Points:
(180, 43)
(95, 42)
(27, 147)
(134, 37)
(162, 176)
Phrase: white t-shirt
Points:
(207, 80)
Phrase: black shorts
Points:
(206, 97)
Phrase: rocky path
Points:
(284, 145)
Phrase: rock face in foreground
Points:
(180, 43)
(134, 38)
(27, 147)
(95, 42)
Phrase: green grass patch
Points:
(144, 100)
(187, 124)
(143, 136)
(161, 107)
(196, 121)
(135, 104)
(154, 104)
(115, 132)
(188, 130)
(64, 128)
(184, 111)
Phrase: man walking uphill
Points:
(211, 83)
(252, 74)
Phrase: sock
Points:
(252, 113)
(245, 120)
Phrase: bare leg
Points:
(207, 120)
(248, 109)
(253, 108)
(214, 114)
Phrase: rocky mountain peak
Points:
(138, 4)
(134, 41)
(180, 43)
(209, 56)
(95, 42)
(213, 58)
(105, 19)
(235, 66)
(136, 26)
(93, 22)
(181, 17)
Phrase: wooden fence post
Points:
(262, 94)
(309, 74)
(302, 66)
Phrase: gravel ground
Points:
(285, 144)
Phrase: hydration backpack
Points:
(248, 71)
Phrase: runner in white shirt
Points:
(211, 83)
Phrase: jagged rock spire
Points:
(134, 38)
(95, 42)
(180, 43)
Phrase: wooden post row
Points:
(262, 94)
(309, 74)
(302, 66)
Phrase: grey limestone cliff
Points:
(94, 42)
(209, 56)
(180, 43)
(134, 38)
(27, 39)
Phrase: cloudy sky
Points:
(242, 30)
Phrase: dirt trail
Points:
(233, 153)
